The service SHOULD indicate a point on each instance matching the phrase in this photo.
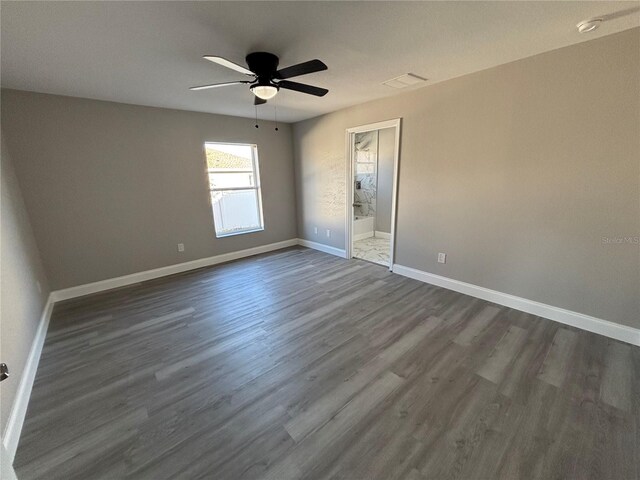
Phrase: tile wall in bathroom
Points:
(366, 152)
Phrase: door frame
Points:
(350, 175)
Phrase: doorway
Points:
(372, 175)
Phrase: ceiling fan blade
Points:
(229, 64)
(258, 101)
(216, 85)
(300, 69)
(301, 87)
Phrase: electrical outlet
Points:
(315, 230)
(442, 258)
(328, 233)
(181, 247)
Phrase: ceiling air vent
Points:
(403, 81)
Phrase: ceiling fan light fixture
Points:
(265, 92)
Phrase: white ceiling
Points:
(149, 53)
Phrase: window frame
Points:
(257, 188)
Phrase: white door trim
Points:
(349, 176)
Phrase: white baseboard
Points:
(382, 235)
(362, 236)
(138, 277)
(568, 317)
(322, 247)
(20, 403)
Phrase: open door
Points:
(372, 177)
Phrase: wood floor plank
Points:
(525, 455)
(467, 425)
(477, 324)
(608, 443)
(618, 373)
(152, 322)
(519, 383)
(217, 349)
(300, 365)
(496, 365)
(556, 364)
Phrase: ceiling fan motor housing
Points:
(263, 64)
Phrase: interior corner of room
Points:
(501, 203)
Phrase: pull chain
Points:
(256, 107)
(276, 115)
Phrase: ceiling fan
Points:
(268, 79)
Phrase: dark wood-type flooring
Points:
(301, 365)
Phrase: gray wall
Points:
(516, 172)
(112, 188)
(21, 302)
(386, 147)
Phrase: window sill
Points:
(241, 232)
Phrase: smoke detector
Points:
(587, 26)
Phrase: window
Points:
(234, 182)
